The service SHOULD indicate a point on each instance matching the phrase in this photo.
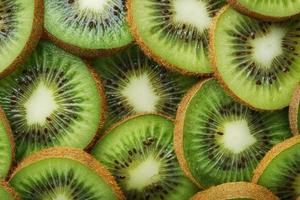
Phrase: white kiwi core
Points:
(92, 5)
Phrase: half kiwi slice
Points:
(87, 27)
(279, 170)
(174, 33)
(135, 84)
(294, 112)
(259, 62)
(7, 193)
(236, 191)
(271, 10)
(64, 173)
(54, 99)
(7, 146)
(21, 25)
(139, 152)
(218, 140)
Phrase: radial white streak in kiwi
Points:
(140, 94)
(40, 105)
(267, 47)
(192, 12)
(143, 175)
(93, 5)
(237, 136)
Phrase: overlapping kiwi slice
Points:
(257, 62)
(52, 100)
(135, 84)
(7, 193)
(64, 173)
(20, 29)
(218, 140)
(6, 146)
(279, 170)
(236, 191)
(267, 9)
(139, 152)
(87, 27)
(174, 32)
(294, 112)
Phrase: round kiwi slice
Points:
(64, 173)
(235, 191)
(54, 99)
(87, 27)
(135, 84)
(294, 114)
(21, 25)
(279, 170)
(218, 140)
(6, 146)
(139, 153)
(259, 62)
(175, 32)
(7, 193)
(271, 10)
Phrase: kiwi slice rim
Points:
(294, 110)
(273, 153)
(11, 191)
(236, 190)
(77, 155)
(238, 6)
(32, 41)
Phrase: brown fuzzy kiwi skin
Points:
(239, 7)
(7, 187)
(178, 131)
(294, 110)
(134, 31)
(35, 35)
(76, 155)
(273, 153)
(236, 190)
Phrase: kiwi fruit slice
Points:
(294, 114)
(175, 32)
(259, 63)
(139, 152)
(64, 173)
(87, 27)
(235, 191)
(271, 10)
(218, 140)
(135, 84)
(54, 99)
(279, 169)
(7, 193)
(21, 26)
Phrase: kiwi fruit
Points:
(6, 146)
(279, 170)
(218, 140)
(259, 63)
(174, 32)
(54, 99)
(235, 191)
(7, 193)
(87, 27)
(270, 10)
(135, 84)
(64, 173)
(21, 26)
(139, 152)
(294, 114)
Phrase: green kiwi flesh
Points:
(51, 100)
(6, 194)
(175, 32)
(135, 84)
(139, 152)
(259, 62)
(222, 140)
